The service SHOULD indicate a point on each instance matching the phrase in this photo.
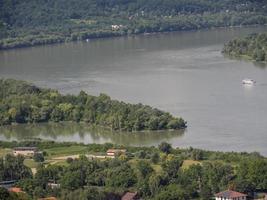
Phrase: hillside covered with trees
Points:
(253, 47)
(162, 173)
(31, 22)
(21, 102)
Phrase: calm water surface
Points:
(183, 73)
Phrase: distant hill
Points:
(36, 22)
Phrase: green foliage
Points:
(28, 23)
(85, 178)
(24, 103)
(253, 46)
(12, 168)
(38, 157)
(165, 147)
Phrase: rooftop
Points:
(15, 189)
(25, 148)
(230, 194)
(116, 150)
(129, 196)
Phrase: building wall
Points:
(24, 153)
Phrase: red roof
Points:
(15, 189)
(129, 196)
(230, 194)
(116, 150)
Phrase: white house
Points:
(114, 152)
(25, 151)
(230, 195)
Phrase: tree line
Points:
(21, 102)
(29, 23)
(253, 46)
(93, 179)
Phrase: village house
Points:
(15, 190)
(230, 195)
(130, 196)
(25, 151)
(48, 198)
(114, 152)
(116, 27)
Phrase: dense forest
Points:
(21, 102)
(35, 22)
(252, 47)
(156, 173)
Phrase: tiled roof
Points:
(230, 194)
(15, 189)
(116, 150)
(25, 148)
(129, 196)
(48, 198)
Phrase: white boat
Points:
(248, 81)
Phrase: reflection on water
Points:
(75, 132)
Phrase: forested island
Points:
(154, 173)
(29, 23)
(253, 47)
(22, 102)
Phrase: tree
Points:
(144, 169)
(4, 194)
(38, 157)
(172, 192)
(155, 158)
(165, 147)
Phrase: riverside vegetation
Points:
(162, 173)
(253, 47)
(29, 23)
(21, 102)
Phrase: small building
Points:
(114, 152)
(15, 189)
(230, 195)
(25, 151)
(48, 198)
(130, 196)
(53, 185)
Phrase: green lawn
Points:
(188, 163)
(30, 163)
(65, 151)
(4, 151)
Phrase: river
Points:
(183, 73)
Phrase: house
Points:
(15, 189)
(25, 151)
(53, 185)
(230, 195)
(130, 196)
(114, 152)
(48, 198)
(116, 27)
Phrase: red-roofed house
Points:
(15, 189)
(130, 196)
(113, 152)
(230, 195)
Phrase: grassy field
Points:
(5, 151)
(188, 163)
(64, 151)
(30, 163)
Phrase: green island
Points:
(70, 171)
(31, 22)
(252, 47)
(22, 102)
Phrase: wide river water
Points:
(183, 73)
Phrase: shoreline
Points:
(66, 39)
